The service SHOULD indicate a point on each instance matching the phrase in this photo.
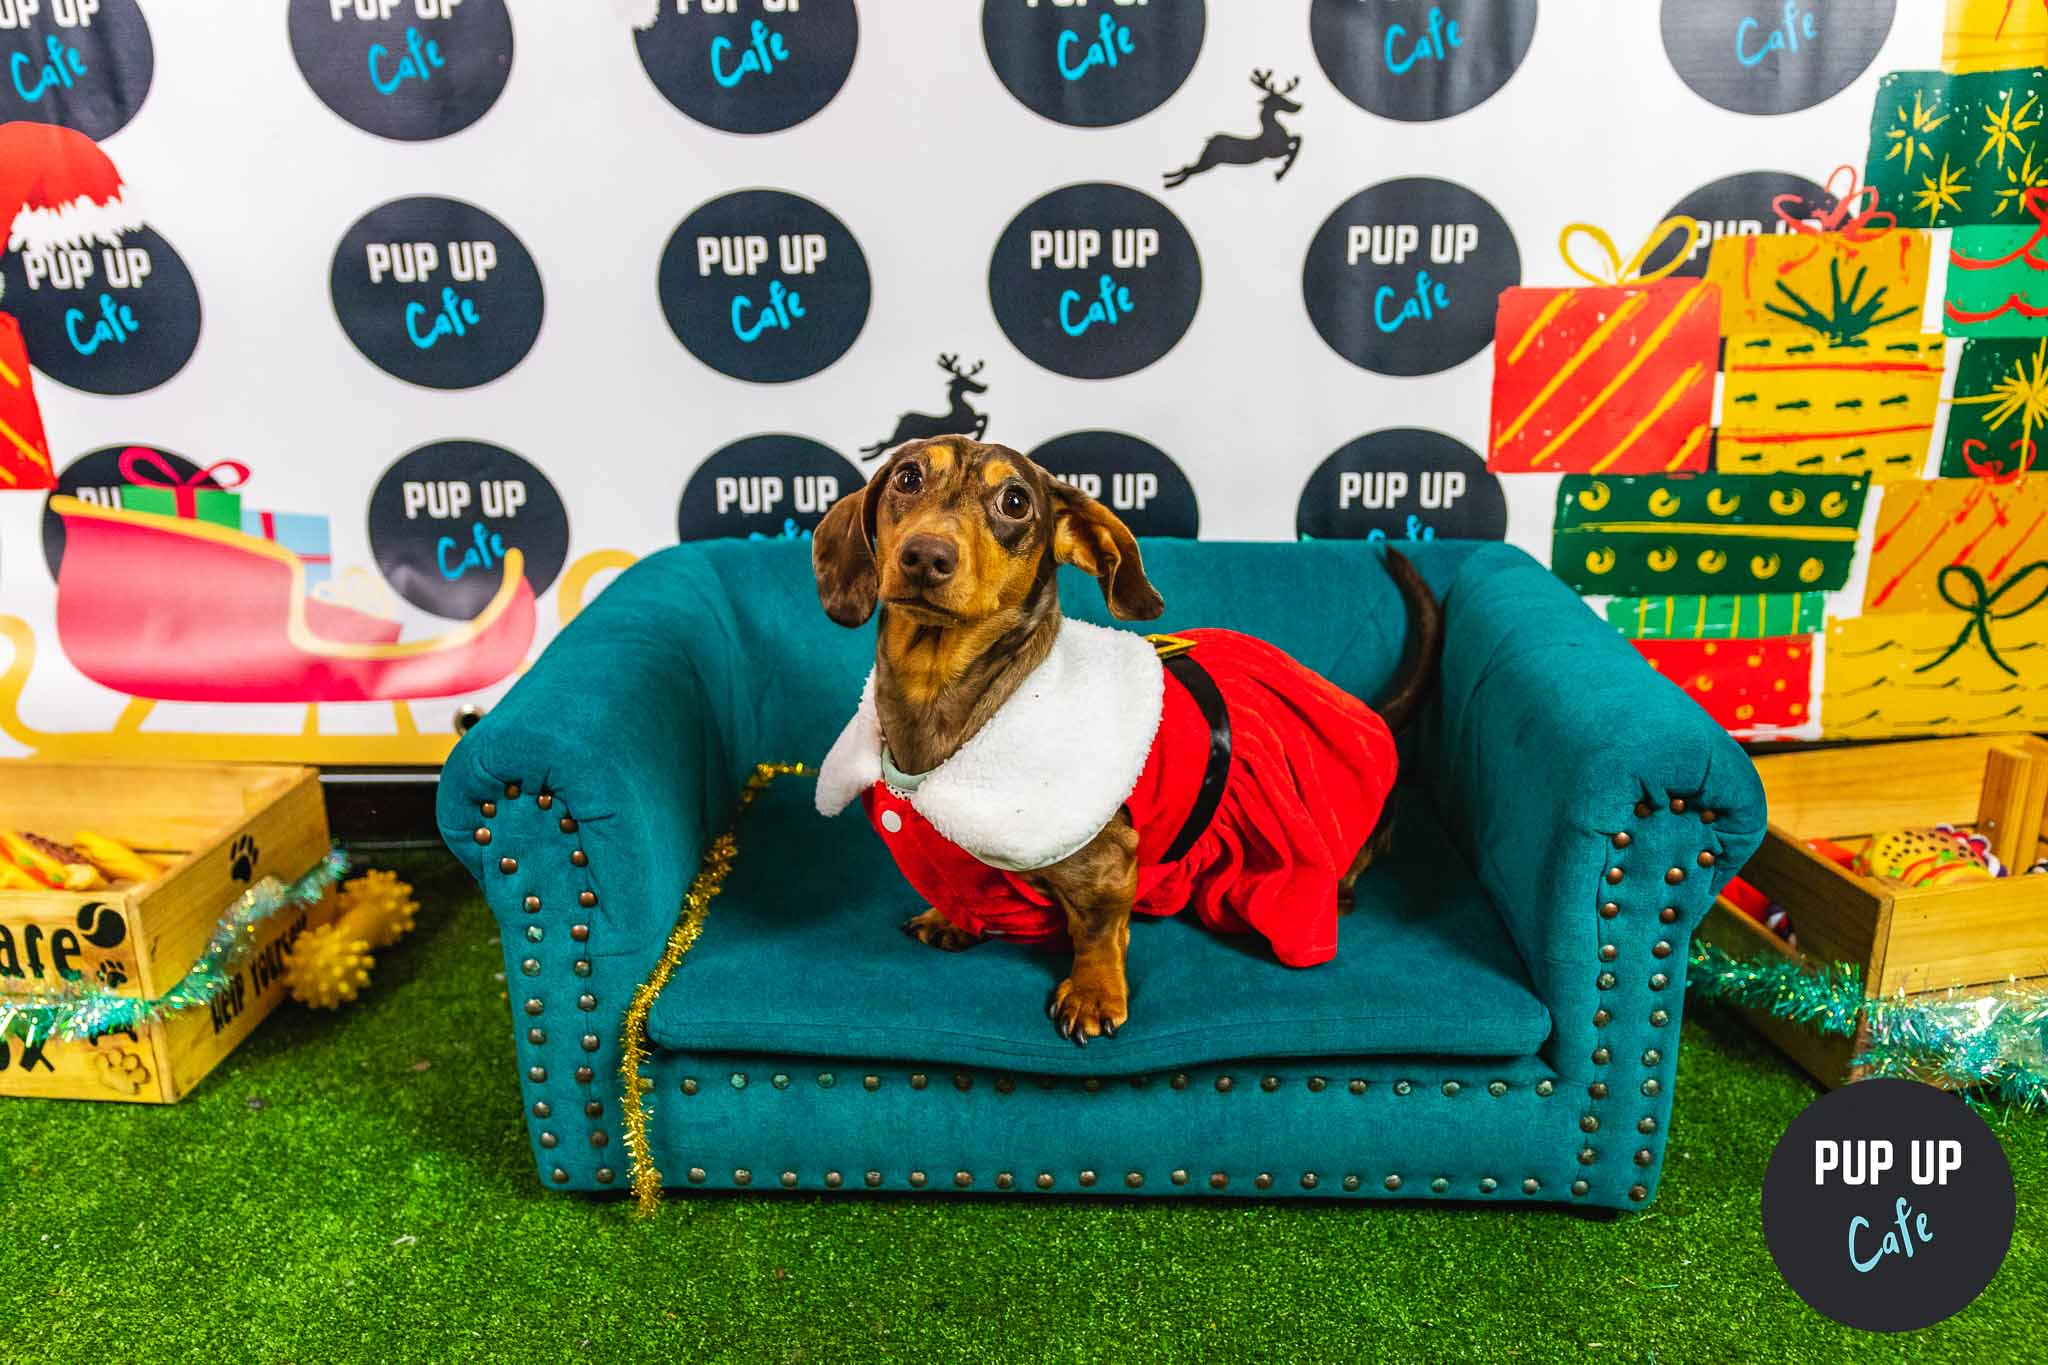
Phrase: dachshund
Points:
(1034, 775)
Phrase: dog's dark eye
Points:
(1015, 503)
(909, 478)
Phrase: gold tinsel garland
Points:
(710, 879)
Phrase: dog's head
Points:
(952, 532)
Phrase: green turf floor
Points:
(356, 1186)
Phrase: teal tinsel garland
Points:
(78, 1011)
(1994, 1042)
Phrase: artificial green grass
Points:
(357, 1185)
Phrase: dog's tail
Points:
(1426, 621)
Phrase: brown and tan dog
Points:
(958, 543)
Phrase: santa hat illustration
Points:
(57, 188)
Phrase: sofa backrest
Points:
(1330, 604)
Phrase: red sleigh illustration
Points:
(174, 609)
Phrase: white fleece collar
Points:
(1046, 772)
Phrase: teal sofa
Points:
(1500, 1025)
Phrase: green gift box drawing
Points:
(1958, 151)
(153, 486)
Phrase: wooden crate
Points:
(228, 826)
(1922, 942)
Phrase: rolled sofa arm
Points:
(1602, 810)
(582, 804)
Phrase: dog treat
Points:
(51, 864)
(118, 861)
(1922, 857)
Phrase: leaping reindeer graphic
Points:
(1272, 139)
(957, 421)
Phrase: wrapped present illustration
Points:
(1616, 374)
(1729, 616)
(1933, 672)
(1747, 686)
(304, 534)
(1993, 35)
(24, 450)
(153, 486)
(1707, 533)
(1816, 406)
(1998, 411)
(1943, 542)
(1958, 151)
(181, 609)
(1849, 273)
(1995, 276)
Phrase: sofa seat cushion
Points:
(802, 956)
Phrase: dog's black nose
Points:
(927, 560)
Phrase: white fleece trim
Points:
(74, 224)
(1047, 771)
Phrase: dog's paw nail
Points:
(1109, 1029)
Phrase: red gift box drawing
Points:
(1745, 685)
(1617, 377)
(24, 450)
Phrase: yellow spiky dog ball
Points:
(327, 967)
(377, 907)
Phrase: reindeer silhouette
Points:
(1272, 140)
(956, 421)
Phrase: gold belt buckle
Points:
(1168, 646)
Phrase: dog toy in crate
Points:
(1924, 857)
(330, 964)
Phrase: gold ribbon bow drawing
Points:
(1981, 606)
(1632, 270)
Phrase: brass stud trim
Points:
(963, 1179)
(918, 1080)
(1706, 859)
(1608, 952)
(1180, 1080)
(1439, 1185)
(1598, 1090)
(1263, 1180)
(1087, 1178)
(508, 864)
(1545, 1087)
(586, 899)
(559, 1176)
(1645, 1156)
(530, 967)
(964, 1082)
(536, 1074)
(1134, 1179)
(580, 932)
(872, 1179)
(534, 1005)
(1357, 1087)
(1668, 915)
(1614, 876)
(532, 904)
(581, 966)
(605, 1175)
(696, 1175)
(1659, 1018)
(1308, 1180)
(1708, 817)
(1223, 1084)
(1661, 948)
(1580, 1187)
(833, 1180)
(1316, 1084)
(1589, 1124)
(1621, 839)
(917, 1180)
(511, 791)
(1497, 1088)
(1350, 1183)
(579, 858)
(1487, 1185)
(489, 808)
(1651, 1057)
(1650, 1087)
(689, 1085)
(1605, 981)
(1587, 1156)
(536, 1036)
(1601, 1056)
(1004, 1085)
(544, 800)
(1678, 805)
(1646, 1125)
(1601, 1016)
(1451, 1087)
(542, 1109)
(742, 1176)
(1044, 1181)
(600, 1138)
(483, 836)
(1218, 1181)
(1638, 1193)
(1531, 1185)
(584, 1075)
(1004, 1180)
(1643, 809)
(590, 1042)
(1609, 909)
(586, 1001)
(1658, 981)
(567, 825)
(1392, 1182)
(1674, 876)
(1179, 1176)
(1269, 1084)
(1093, 1085)
(594, 1108)
(549, 1140)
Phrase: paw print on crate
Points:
(245, 853)
(121, 1070)
(110, 974)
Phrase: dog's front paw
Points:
(1084, 1009)
(935, 930)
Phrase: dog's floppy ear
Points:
(843, 556)
(1090, 537)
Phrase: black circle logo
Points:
(1095, 281)
(770, 487)
(1418, 62)
(96, 477)
(85, 64)
(116, 318)
(436, 292)
(1132, 478)
(749, 66)
(764, 286)
(1403, 278)
(1405, 483)
(1888, 1205)
(1740, 205)
(443, 516)
(1773, 56)
(1092, 66)
(409, 70)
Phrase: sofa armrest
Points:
(1602, 810)
(582, 804)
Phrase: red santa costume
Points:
(1252, 781)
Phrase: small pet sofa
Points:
(1501, 1023)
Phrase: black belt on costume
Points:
(1202, 688)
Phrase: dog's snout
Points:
(928, 560)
